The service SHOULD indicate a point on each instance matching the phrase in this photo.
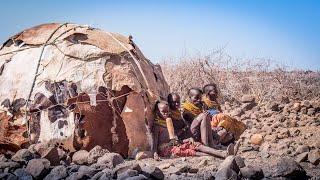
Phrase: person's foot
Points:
(230, 150)
(156, 157)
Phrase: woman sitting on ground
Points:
(168, 144)
(227, 128)
(197, 118)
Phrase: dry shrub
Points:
(264, 79)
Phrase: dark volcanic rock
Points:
(127, 174)
(124, 167)
(230, 163)
(10, 165)
(111, 159)
(152, 172)
(99, 167)
(302, 148)
(207, 175)
(248, 106)
(3, 158)
(240, 161)
(287, 167)
(23, 155)
(80, 157)
(89, 171)
(38, 168)
(78, 176)
(226, 174)
(311, 111)
(22, 174)
(306, 104)
(139, 177)
(8, 176)
(273, 106)
(251, 172)
(109, 172)
(73, 168)
(40, 148)
(58, 172)
(302, 157)
(182, 168)
(105, 176)
(314, 156)
(97, 175)
(228, 169)
(95, 153)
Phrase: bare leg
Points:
(211, 142)
(202, 154)
(204, 133)
(211, 151)
(219, 146)
(195, 128)
(201, 127)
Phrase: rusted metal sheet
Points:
(11, 136)
(102, 124)
(134, 118)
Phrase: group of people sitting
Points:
(197, 127)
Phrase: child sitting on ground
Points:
(169, 146)
(181, 128)
(227, 128)
(198, 119)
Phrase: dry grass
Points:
(262, 78)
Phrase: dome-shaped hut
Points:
(78, 87)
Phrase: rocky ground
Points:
(282, 142)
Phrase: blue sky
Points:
(287, 31)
